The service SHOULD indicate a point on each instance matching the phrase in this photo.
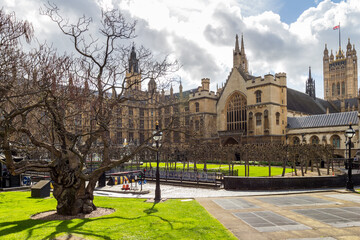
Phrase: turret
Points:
(326, 54)
(152, 86)
(171, 91)
(331, 56)
(180, 90)
(348, 48)
(205, 83)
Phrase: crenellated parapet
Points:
(279, 79)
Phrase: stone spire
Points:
(133, 61)
(237, 43)
(180, 90)
(242, 45)
(310, 86)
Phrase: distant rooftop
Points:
(323, 120)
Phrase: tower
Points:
(340, 74)
(239, 58)
(133, 76)
(310, 86)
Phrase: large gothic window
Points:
(343, 88)
(338, 88)
(236, 113)
(333, 89)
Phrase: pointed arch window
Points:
(236, 113)
(315, 140)
(338, 89)
(296, 140)
(343, 88)
(333, 89)
(197, 107)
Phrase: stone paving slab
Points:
(234, 203)
(346, 197)
(295, 201)
(279, 221)
(336, 217)
(267, 221)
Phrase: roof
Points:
(301, 102)
(348, 103)
(323, 120)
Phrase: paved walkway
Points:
(170, 191)
(325, 214)
(317, 215)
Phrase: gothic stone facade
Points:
(251, 109)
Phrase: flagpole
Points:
(339, 38)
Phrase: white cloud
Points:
(202, 33)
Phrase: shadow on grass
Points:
(152, 210)
(12, 227)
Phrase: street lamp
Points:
(157, 136)
(350, 132)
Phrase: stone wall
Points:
(283, 183)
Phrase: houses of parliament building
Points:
(249, 109)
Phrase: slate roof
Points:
(348, 103)
(323, 120)
(301, 102)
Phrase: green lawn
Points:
(133, 219)
(255, 171)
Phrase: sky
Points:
(279, 35)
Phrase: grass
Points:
(133, 219)
(255, 171)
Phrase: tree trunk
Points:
(284, 166)
(70, 192)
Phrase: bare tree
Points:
(73, 116)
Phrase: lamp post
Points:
(157, 138)
(350, 132)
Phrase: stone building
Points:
(247, 108)
(340, 74)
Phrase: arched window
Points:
(333, 89)
(277, 118)
(236, 113)
(343, 88)
(197, 107)
(336, 141)
(258, 96)
(266, 120)
(315, 140)
(338, 89)
(296, 140)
